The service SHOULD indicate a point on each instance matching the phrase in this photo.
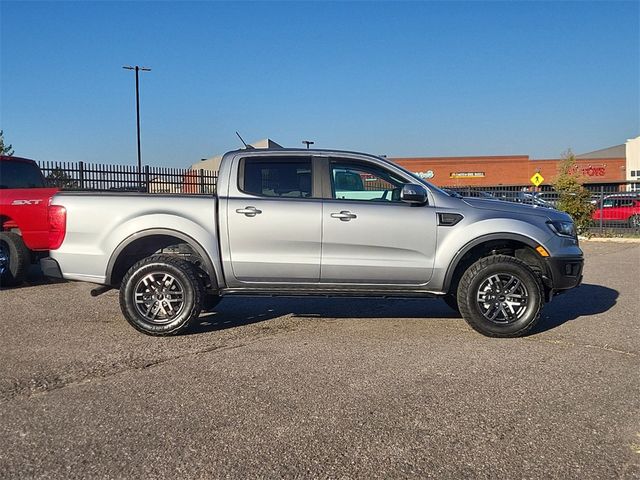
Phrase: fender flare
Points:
(479, 240)
(208, 264)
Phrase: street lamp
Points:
(307, 143)
(137, 69)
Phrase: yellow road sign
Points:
(537, 179)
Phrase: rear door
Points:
(369, 236)
(274, 219)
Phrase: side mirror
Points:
(413, 193)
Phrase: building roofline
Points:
(599, 159)
(470, 157)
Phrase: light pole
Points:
(137, 69)
(307, 143)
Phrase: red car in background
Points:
(25, 226)
(617, 209)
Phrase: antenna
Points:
(248, 147)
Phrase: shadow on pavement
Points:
(233, 312)
(585, 300)
(237, 311)
(34, 278)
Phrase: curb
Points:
(609, 239)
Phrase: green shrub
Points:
(574, 198)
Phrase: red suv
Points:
(25, 223)
(619, 209)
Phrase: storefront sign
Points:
(590, 171)
(466, 175)
(426, 175)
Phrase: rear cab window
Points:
(19, 174)
(288, 177)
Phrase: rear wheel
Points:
(634, 221)
(161, 294)
(15, 259)
(500, 296)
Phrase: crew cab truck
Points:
(24, 222)
(316, 222)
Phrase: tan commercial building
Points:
(213, 163)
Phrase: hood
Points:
(516, 208)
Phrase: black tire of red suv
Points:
(496, 284)
(161, 294)
(634, 221)
(15, 259)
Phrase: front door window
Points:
(363, 182)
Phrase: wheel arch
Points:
(141, 244)
(521, 246)
(8, 224)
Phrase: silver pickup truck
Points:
(316, 222)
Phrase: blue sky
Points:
(396, 78)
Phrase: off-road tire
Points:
(155, 270)
(476, 277)
(19, 259)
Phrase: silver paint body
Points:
(298, 244)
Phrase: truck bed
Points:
(98, 222)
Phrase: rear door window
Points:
(288, 177)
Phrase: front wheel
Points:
(161, 294)
(500, 296)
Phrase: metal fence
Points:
(615, 208)
(125, 178)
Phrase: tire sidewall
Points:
(527, 277)
(191, 297)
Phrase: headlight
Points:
(564, 228)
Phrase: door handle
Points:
(249, 211)
(344, 215)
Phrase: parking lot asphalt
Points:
(350, 388)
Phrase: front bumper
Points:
(566, 272)
(50, 268)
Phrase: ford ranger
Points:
(315, 222)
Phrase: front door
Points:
(369, 236)
(274, 223)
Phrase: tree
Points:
(574, 198)
(5, 149)
(61, 179)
